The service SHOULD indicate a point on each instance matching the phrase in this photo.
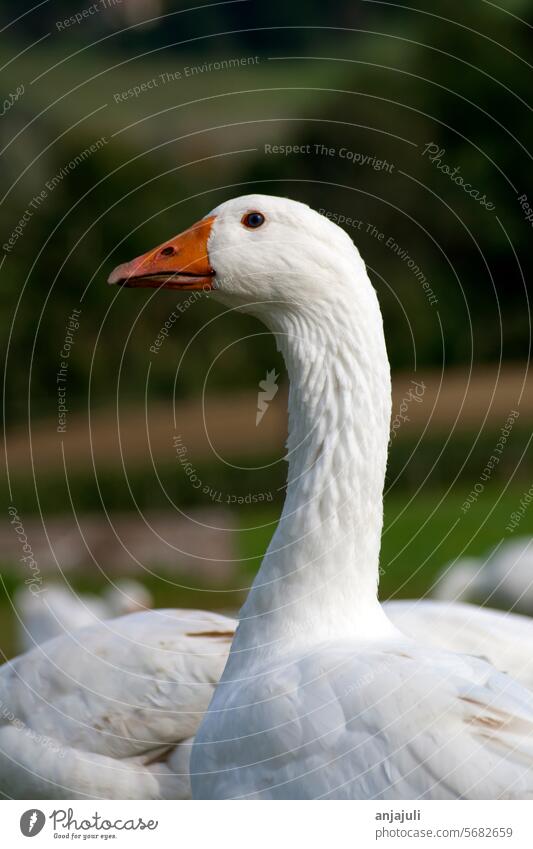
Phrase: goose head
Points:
(256, 253)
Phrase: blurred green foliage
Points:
(378, 80)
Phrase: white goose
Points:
(504, 577)
(109, 712)
(322, 696)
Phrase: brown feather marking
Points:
(484, 719)
(224, 634)
(160, 757)
(487, 721)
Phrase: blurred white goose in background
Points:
(322, 696)
(503, 579)
(57, 609)
(453, 582)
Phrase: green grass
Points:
(419, 538)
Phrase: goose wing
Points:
(101, 710)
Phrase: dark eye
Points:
(253, 219)
(168, 251)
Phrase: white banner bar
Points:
(268, 825)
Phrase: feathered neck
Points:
(319, 576)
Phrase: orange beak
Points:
(181, 263)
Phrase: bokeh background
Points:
(124, 125)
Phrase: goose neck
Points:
(320, 573)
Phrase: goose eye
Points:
(253, 219)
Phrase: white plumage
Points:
(504, 639)
(82, 716)
(106, 711)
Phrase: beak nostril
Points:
(168, 251)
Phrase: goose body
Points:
(107, 711)
(503, 639)
(63, 702)
(384, 719)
